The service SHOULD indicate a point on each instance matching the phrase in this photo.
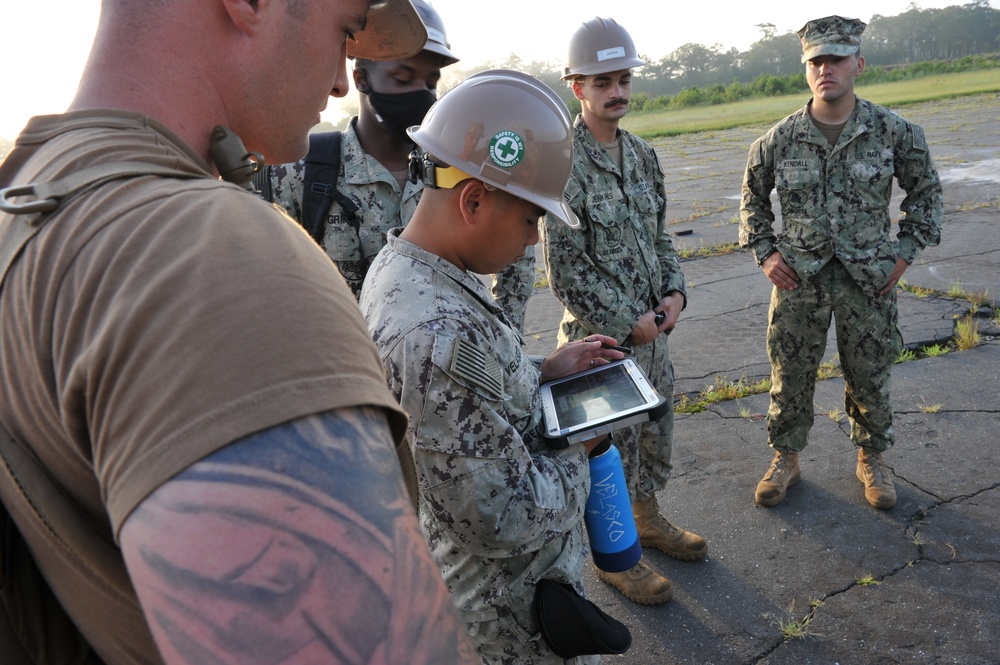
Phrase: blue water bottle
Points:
(614, 542)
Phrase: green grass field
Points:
(768, 110)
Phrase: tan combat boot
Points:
(784, 473)
(656, 532)
(877, 479)
(640, 584)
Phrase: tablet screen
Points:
(594, 396)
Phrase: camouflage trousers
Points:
(517, 640)
(646, 449)
(513, 287)
(868, 341)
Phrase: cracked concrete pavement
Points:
(917, 584)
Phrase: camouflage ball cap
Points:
(833, 35)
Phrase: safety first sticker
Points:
(506, 149)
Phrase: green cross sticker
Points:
(506, 149)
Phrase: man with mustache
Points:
(619, 275)
(833, 163)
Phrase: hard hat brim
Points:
(393, 31)
(602, 68)
(447, 57)
(567, 216)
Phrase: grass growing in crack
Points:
(829, 369)
(708, 250)
(977, 300)
(930, 408)
(955, 290)
(918, 539)
(698, 212)
(967, 333)
(797, 629)
(918, 291)
(928, 351)
(836, 415)
(977, 205)
(935, 350)
(747, 414)
(721, 391)
(867, 580)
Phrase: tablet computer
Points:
(598, 401)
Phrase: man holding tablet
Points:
(618, 274)
(500, 509)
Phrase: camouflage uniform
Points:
(837, 236)
(381, 206)
(513, 287)
(614, 268)
(499, 510)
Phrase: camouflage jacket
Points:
(621, 260)
(835, 200)
(499, 510)
(381, 206)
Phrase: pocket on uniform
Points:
(798, 187)
(869, 186)
(342, 242)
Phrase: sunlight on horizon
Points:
(48, 40)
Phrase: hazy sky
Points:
(44, 43)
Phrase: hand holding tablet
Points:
(598, 401)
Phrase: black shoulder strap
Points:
(322, 168)
(34, 515)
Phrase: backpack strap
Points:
(322, 169)
(47, 197)
(39, 528)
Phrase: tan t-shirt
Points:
(153, 321)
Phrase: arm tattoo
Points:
(295, 544)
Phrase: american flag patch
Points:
(471, 363)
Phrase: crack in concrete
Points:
(921, 560)
(921, 514)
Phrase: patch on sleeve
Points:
(471, 363)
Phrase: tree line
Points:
(914, 43)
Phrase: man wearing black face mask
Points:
(374, 154)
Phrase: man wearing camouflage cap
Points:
(618, 274)
(833, 163)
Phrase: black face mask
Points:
(397, 112)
